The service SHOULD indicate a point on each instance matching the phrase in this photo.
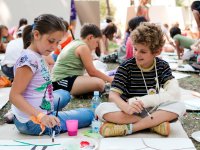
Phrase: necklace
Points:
(151, 91)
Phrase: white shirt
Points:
(13, 52)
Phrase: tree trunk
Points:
(108, 8)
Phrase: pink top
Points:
(129, 48)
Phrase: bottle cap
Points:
(96, 93)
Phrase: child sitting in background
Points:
(181, 41)
(74, 59)
(65, 40)
(143, 83)
(5, 38)
(107, 35)
(126, 50)
(132, 24)
(32, 95)
(13, 52)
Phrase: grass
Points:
(190, 122)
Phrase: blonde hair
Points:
(150, 35)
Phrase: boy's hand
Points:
(50, 121)
(137, 106)
(129, 110)
(134, 107)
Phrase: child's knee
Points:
(88, 114)
(64, 97)
(100, 85)
(105, 108)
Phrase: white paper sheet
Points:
(146, 144)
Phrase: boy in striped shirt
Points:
(144, 93)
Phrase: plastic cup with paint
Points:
(72, 127)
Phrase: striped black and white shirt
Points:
(128, 80)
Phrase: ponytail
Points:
(27, 36)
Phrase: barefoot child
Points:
(74, 59)
(32, 97)
(141, 85)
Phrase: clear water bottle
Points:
(96, 124)
(96, 100)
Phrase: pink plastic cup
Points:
(72, 127)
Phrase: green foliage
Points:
(103, 9)
(180, 3)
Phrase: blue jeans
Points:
(83, 115)
(8, 71)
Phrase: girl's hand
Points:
(50, 121)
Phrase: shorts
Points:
(65, 84)
(174, 107)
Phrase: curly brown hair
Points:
(150, 35)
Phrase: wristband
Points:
(40, 116)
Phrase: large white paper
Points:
(146, 144)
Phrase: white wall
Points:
(165, 14)
(121, 12)
(11, 11)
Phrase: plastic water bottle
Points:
(96, 124)
(95, 101)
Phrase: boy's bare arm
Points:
(124, 106)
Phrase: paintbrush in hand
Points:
(53, 134)
(148, 113)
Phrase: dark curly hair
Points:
(148, 34)
(174, 31)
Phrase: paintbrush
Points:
(53, 134)
(148, 113)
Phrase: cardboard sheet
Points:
(9, 131)
(84, 9)
(1, 58)
(191, 99)
(179, 75)
(177, 135)
(4, 96)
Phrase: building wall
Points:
(11, 11)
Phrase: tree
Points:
(108, 7)
(180, 3)
(104, 9)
